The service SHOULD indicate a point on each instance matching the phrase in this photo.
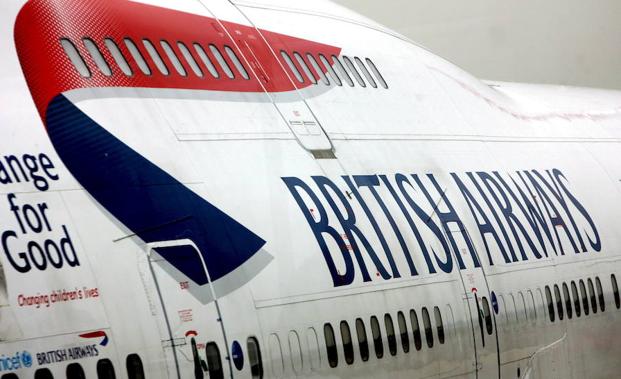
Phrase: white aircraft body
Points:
(278, 189)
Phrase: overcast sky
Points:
(575, 42)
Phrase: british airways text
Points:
(375, 222)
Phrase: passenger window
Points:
(318, 69)
(559, 302)
(615, 290)
(190, 59)
(238, 65)
(541, 303)
(99, 60)
(10, 376)
(155, 57)
(600, 294)
(524, 311)
(348, 347)
(354, 71)
(532, 306)
(254, 358)
(76, 59)
(133, 364)
(415, 330)
(42, 373)
(377, 73)
(365, 72)
(292, 67)
(214, 361)
(206, 61)
(390, 334)
(133, 50)
(363, 344)
(295, 352)
(221, 61)
(75, 371)
(328, 332)
(439, 324)
(427, 326)
(377, 337)
(118, 56)
(403, 329)
(313, 348)
(502, 308)
(173, 58)
(574, 294)
(550, 303)
(514, 305)
(489, 327)
(278, 364)
(342, 71)
(592, 296)
(305, 68)
(105, 369)
(567, 301)
(585, 300)
(330, 70)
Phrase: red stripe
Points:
(99, 333)
(42, 23)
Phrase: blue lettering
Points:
(378, 231)
(319, 228)
(348, 223)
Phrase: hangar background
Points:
(570, 42)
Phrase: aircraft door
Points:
(479, 302)
(191, 325)
(271, 62)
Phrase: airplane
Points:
(285, 189)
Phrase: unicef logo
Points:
(26, 359)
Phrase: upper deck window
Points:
(221, 61)
(133, 50)
(318, 69)
(206, 61)
(365, 72)
(155, 57)
(238, 65)
(76, 59)
(292, 67)
(354, 71)
(331, 71)
(342, 71)
(173, 58)
(305, 68)
(190, 59)
(99, 60)
(377, 73)
(118, 56)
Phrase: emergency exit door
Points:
(193, 335)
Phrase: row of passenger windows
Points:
(588, 299)
(561, 300)
(105, 370)
(315, 74)
(392, 335)
(207, 56)
(214, 359)
(310, 69)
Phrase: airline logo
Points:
(100, 335)
(527, 215)
(144, 198)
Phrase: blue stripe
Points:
(147, 200)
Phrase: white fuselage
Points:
(249, 189)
